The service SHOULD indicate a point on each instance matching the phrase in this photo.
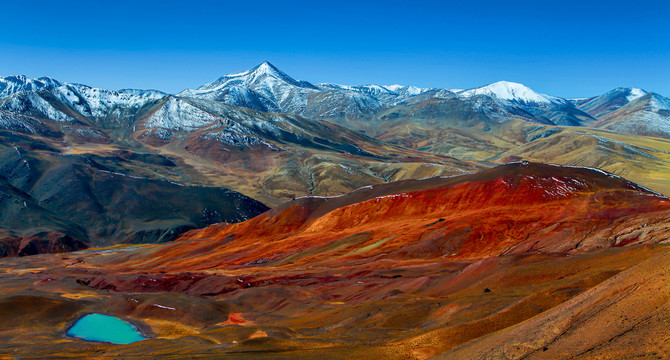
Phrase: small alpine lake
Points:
(105, 328)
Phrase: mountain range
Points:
(266, 88)
(273, 138)
(263, 217)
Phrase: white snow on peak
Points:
(371, 89)
(634, 94)
(265, 82)
(510, 91)
(658, 102)
(15, 83)
(88, 101)
(406, 90)
(154, 94)
(413, 90)
(264, 69)
(394, 87)
(377, 88)
(264, 74)
(268, 89)
(267, 68)
(410, 90)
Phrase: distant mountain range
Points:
(273, 138)
(266, 88)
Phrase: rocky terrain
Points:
(260, 216)
(445, 267)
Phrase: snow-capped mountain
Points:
(263, 88)
(600, 106)
(15, 83)
(266, 88)
(512, 92)
(53, 108)
(262, 77)
(216, 130)
(99, 103)
(517, 98)
(647, 115)
(48, 98)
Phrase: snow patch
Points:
(177, 114)
(634, 94)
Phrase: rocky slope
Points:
(469, 216)
(599, 106)
(648, 115)
(406, 270)
(630, 308)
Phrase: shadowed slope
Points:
(84, 199)
(648, 115)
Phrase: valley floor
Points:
(608, 304)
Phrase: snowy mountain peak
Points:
(394, 87)
(510, 91)
(267, 68)
(15, 83)
(262, 74)
(409, 90)
(634, 94)
(264, 69)
(630, 94)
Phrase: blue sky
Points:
(565, 48)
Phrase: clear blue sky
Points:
(565, 48)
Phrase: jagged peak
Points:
(265, 67)
(254, 75)
(13, 84)
(26, 80)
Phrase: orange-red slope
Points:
(514, 208)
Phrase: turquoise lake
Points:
(105, 328)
